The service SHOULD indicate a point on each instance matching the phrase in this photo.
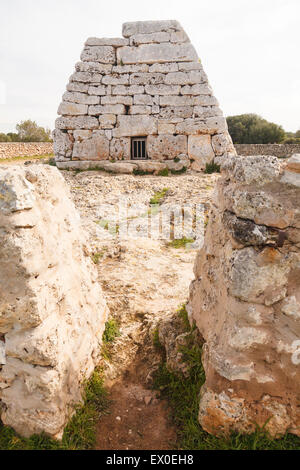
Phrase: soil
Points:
(143, 281)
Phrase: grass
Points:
(79, 434)
(111, 331)
(164, 172)
(156, 343)
(97, 256)
(158, 196)
(182, 394)
(24, 158)
(138, 172)
(180, 242)
(179, 172)
(212, 168)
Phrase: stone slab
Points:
(156, 53)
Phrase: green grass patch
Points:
(179, 172)
(180, 242)
(79, 434)
(159, 196)
(156, 342)
(24, 158)
(97, 256)
(182, 394)
(212, 168)
(164, 172)
(112, 331)
(138, 172)
(183, 315)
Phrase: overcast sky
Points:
(249, 48)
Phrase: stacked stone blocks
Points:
(149, 83)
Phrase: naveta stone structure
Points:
(52, 310)
(245, 298)
(148, 85)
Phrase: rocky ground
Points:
(144, 280)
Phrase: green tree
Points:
(253, 129)
(29, 131)
(4, 137)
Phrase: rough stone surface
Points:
(164, 147)
(200, 151)
(52, 311)
(149, 83)
(95, 147)
(245, 300)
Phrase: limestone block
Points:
(93, 67)
(164, 68)
(166, 146)
(162, 89)
(175, 101)
(79, 122)
(222, 143)
(207, 111)
(127, 90)
(114, 99)
(52, 308)
(188, 66)
(131, 68)
(97, 90)
(179, 36)
(107, 109)
(151, 38)
(81, 135)
(80, 98)
(72, 109)
(151, 166)
(119, 149)
(165, 127)
(62, 142)
(139, 125)
(199, 89)
(197, 126)
(77, 87)
(115, 42)
(293, 163)
(143, 99)
(86, 77)
(183, 78)
(102, 54)
(148, 27)
(147, 78)
(200, 150)
(95, 147)
(156, 53)
(140, 109)
(155, 110)
(205, 100)
(116, 79)
(178, 113)
(107, 121)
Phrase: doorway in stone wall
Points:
(138, 148)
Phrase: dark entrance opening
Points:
(138, 148)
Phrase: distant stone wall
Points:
(24, 149)
(277, 150)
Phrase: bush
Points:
(253, 129)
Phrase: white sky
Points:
(249, 48)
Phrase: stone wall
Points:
(150, 83)
(277, 150)
(245, 298)
(52, 310)
(22, 149)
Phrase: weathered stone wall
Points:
(245, 298)
(149, 83)
(52, 311)
(277, 150)
(24, 149)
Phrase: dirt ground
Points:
(143, 281)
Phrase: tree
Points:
(29, 131)
(253, 129)
(4, 138)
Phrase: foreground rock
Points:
(52, 310)
(246, 299)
